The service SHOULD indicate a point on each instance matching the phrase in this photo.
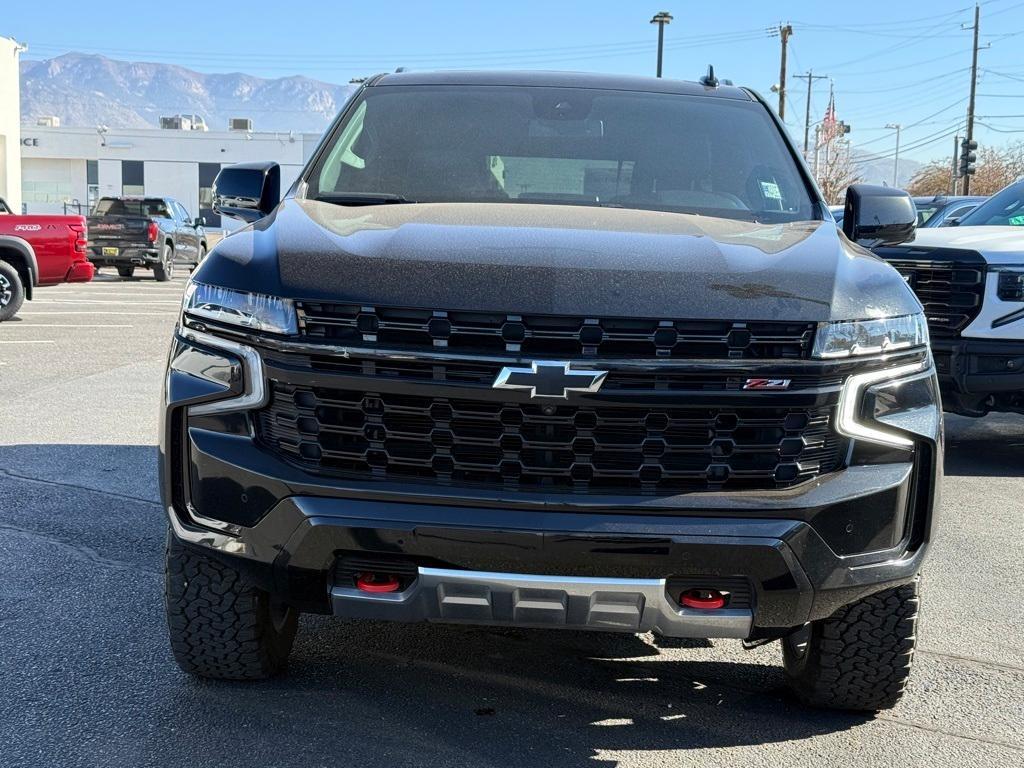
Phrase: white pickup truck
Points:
(970, 279)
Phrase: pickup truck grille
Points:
(949, 283)
(622, 449)
(552, 335)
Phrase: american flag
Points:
(829, 125)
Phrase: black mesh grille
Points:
(950, 284)
(550, 335)
(586, 449)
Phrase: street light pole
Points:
(661, 19)
(896, 160)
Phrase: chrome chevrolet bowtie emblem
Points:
(550, 378)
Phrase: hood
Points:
(991, 242)
(550, 259)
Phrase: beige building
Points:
(66, 169)
(10, 122)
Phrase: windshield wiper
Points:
(362, 198)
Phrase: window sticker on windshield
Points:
(771, 190)
(1016, 221)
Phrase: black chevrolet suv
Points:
(553, 350)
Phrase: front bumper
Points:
(970, 370)
(784, 547)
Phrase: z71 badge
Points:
(766, 384)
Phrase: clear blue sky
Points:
(890, 62)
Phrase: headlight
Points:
(870, 337)
(886, 406)
(254, 311)
(1011, 284)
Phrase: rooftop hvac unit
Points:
(240, 124)
(48, 121)
(183, 123)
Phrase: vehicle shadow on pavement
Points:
(992, 446)
(448, 695)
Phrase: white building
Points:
(10, 122)
(68, 169)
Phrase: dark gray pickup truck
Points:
(152, 232)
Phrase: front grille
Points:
(950, 284)
(642, 448)
(552, 335)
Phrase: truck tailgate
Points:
(114, 230)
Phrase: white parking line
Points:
(66, 325)
(27, 341)
(61, 313)
(135, 294)
(98, 301)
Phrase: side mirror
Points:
(952, 221)
(247, 191)
(199, 222)
(878, 215)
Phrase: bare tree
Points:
(996, 167)
(836, 170)
(930, 179)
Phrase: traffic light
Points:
(968, 157)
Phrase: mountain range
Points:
(89, 90)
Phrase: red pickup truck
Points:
(39, 250)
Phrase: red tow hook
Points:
(377, 582)
(705, 599)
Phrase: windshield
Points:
(1004, 208)
(573, 146)
(111, 206)
(925, 211)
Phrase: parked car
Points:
(553, 350)
(937, 211)
(970, 279)
(38, 250)
(837, 212)
(155, 233)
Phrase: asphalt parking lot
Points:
(86, 678)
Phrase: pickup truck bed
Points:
(39, 250)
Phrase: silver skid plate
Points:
(478, 597)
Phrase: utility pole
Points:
(952, 171)
(810, 77)
(974, 85)
(661, 19)
(784, 33)
(896, 161)
(817, 148)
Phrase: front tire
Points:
(164, 270)
(860, 657)
(220, 626)
(12, 291)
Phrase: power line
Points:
(592, 48)
(925, 35)
(914, 84)
(919, 123)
